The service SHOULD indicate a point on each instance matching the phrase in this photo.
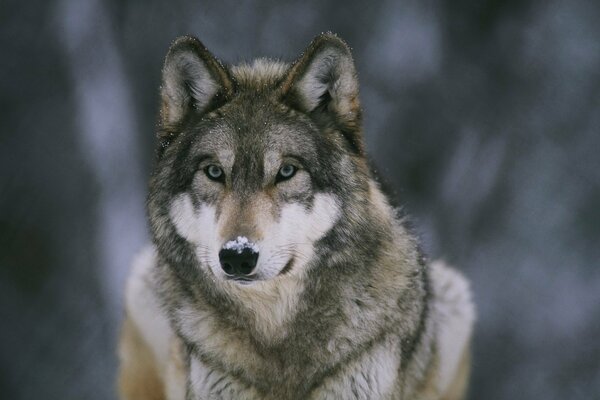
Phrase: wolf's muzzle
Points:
(238, 263)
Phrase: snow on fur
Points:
(241, 243)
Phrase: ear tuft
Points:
(323, 83)
(192, 78)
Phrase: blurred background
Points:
(484, 115)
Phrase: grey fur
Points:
(365, 316)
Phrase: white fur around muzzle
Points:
(292, 236)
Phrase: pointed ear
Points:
(323, 84)
(193, 80)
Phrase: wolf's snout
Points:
(236, 262)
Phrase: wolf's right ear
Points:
(323, 83)
(193, 80)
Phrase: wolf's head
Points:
(260, 166)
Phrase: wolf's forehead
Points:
(259, 73)
(247, 138)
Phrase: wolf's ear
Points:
(323, 83)
(193, 80)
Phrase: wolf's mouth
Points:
(247, 280)
(242, 281)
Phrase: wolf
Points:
(279, 268)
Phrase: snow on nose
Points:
(241, 243)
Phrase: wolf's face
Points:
(252, 207)
(255, 160)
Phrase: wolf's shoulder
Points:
(142, 304)
(452, 291)
(454, 313)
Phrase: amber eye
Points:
(214, 172)
(286, 172)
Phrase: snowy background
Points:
(484, 115)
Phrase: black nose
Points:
(238, 262)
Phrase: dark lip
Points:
(288, 267)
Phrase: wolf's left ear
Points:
(323, 83)
(193, 81)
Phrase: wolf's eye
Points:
(214, 172)
(285, 172)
